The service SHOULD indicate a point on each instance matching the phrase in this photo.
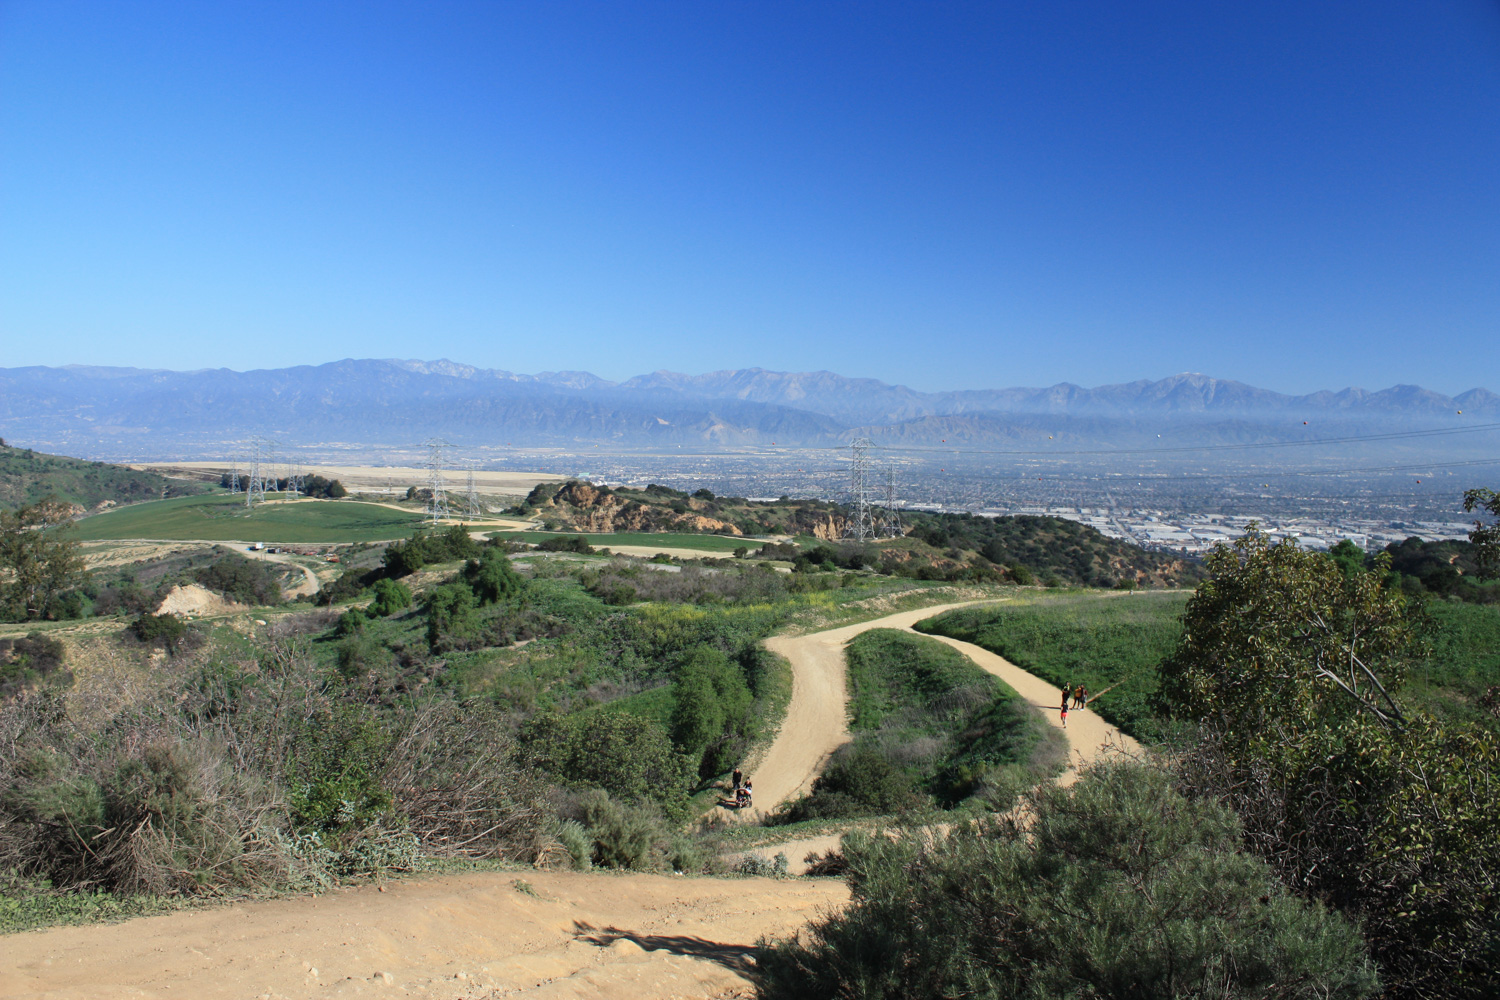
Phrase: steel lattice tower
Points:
(859, 528)
(891, 527)
(234, 477)
(471, 496)
(437, 507)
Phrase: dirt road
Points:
(535, 934)
(816, 724)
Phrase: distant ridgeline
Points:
(112, 412)
(27, 476)
(1022, 549)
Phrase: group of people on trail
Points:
(743, 793)
(1079, 696)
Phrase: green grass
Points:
(1101, 641)
(662, 539)
(1463, 663)
(904, 687)
(223, 517)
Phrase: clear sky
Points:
(1299, 195)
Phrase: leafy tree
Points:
(450, 616)
(714, 711)
(1291, 671)
(239, 579)
(697, 716)
(39, 563)
(492, 579)
(1117, 887)
(390, 596)
(1486, 537)
(1349, 558)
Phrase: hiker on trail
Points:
(1065, 710)
(1078, 696)
(1082, 700)
(737, 778)
(1067, 693)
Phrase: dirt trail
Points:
(1088, 735)
(571, 935)
(816, 724)
(309, 584)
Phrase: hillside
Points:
(580, 506)
(27, 476)
(1021, 549)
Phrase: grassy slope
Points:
(906, 687)
(224, 518)
(1093, 639)
(27, 476)
(1463, 663)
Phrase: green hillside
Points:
(224, 518)
(27, 476)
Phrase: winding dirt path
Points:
(817, 723)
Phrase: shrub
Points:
(247, 581)
(1117, 887)
(34, 659)
(625, 836)
(168, 630)
(492, 579)
(629, 757)
(451, 618)
(569, 543)
(390, 596)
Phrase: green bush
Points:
(167, 630)
(492, 579)
(631, 758)
(34, 659)
(1117, 887)
(390, 596)
(569, 543)
(625, 836)
(451, 617)
(248, 581)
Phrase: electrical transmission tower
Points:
(859, 528)
(891, 526)
(255, 489)
(437, 507)
(471, 496)
(234, 477)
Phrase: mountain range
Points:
(127, 412)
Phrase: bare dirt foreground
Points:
(477, 935)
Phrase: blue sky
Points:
(1297, 195)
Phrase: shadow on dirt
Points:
(738, 958)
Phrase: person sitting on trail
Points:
(740, 798)
(748, 792)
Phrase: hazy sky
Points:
(1299, 195)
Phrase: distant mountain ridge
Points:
(101, 411)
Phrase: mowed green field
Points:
(223, 517)
(660, 539)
